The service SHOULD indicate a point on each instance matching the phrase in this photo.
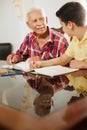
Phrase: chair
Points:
(58, 29)
(5, 50)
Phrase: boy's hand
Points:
(35, 62)
(78, 64)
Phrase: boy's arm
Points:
(78, 64)
(62, 60)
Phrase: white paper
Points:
(54, 70)
(46, 71)
(24, 66)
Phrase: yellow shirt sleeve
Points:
(70, 49)
(79, 83)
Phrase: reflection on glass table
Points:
(64, 92)
(43, 102)
(72, 117)
(47, 97)
(51, 93)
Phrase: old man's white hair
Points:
(35, 9)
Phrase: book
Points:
(23, 66)
(45, 71)
(53, 71)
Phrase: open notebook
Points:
(23, 66)
(53, 71)
(45, 71)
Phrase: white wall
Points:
(13, 29)
(51, 6)
(9, 23)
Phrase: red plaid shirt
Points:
(54, 47)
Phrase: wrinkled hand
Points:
(13, 58)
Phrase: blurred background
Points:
(13, 26)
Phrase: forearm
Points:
(84, 65)
(78, 64)
(50, 62)
(62, 60)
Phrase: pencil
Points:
(11, 74)
(2, 72)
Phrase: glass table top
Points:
(15, 92)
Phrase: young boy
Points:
(72, 17)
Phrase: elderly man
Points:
(42, 43)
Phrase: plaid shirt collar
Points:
(33, 35)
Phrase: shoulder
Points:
(56, 34)
(30, 35)
(58, 37)
(58, 30)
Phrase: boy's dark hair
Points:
(72, 11)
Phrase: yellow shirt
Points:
(78, 49)
(79, 83)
